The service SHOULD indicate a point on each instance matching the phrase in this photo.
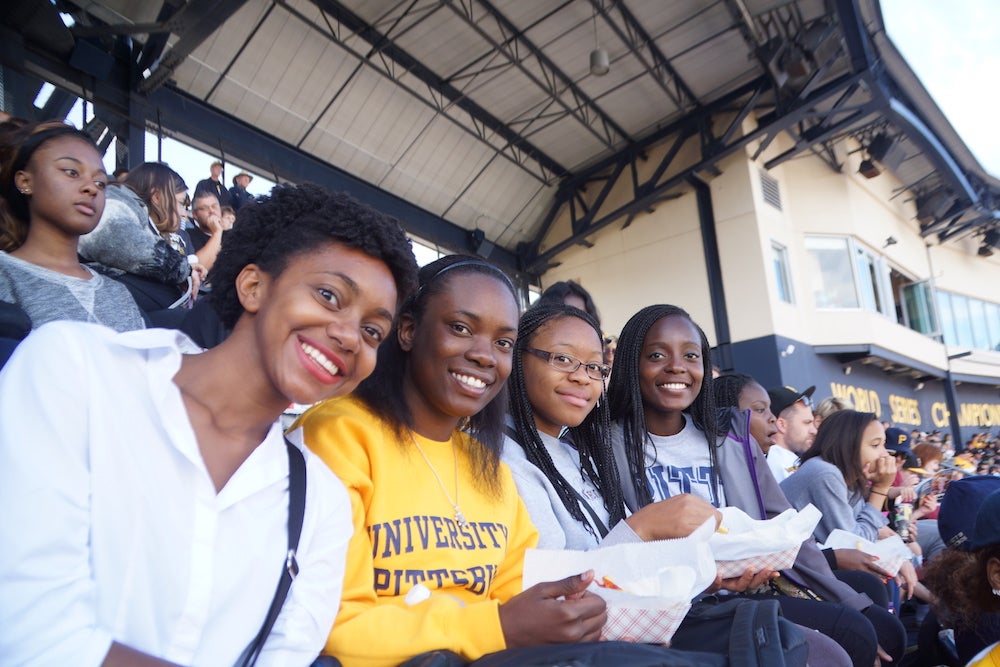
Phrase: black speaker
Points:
(91, 59)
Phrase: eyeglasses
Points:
(806, 401)
(569, 364)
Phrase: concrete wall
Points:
(659, 258)
(656, 259)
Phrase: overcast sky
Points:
(954, 47)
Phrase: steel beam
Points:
(517, 47)
(193, 24)
(196, 120)
(413, 67)
(638, 39)
(192, 119)
(645, 193)
(713, 269)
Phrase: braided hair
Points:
(382, 390)
(728, 388)
(625, 396)
(591, 437)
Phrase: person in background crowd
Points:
(929, 457)
(131, 242)
(52, 183)
(927, 541)
(206, 234)
(796, 429)
(846, 474)
(147, 522)
(669, 439)
(966, 576)
(852, 566)
(238, 195)
(228, 217)
(214, 185)
(120, 174)
(736, 390)
(610, 344)
(847, 477)
(828, 406)
(570, 293)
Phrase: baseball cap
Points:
(897, 441)
(957, 519)
(782, 397)
(987, 528)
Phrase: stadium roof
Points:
(480, 122)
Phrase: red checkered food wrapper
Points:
(891, 551)
(758, 544)
(657, 581)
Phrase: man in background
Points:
(214, 185)
(238, 193)
(796, 429)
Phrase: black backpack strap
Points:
(597, 523)
(296, 511)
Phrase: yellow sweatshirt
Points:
(405, 534)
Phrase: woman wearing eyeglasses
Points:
(558, 448)
(558, 443)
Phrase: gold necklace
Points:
(459, 517)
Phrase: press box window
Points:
(831, 272)
(782, 276)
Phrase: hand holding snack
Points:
(743, 544)
(554, 612)
(859, 561)
(674, 517)
(748, 581)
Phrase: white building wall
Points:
(656, 259)
(659, 258)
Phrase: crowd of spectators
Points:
(613, 437)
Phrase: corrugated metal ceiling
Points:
(477, 110)
(295, 71)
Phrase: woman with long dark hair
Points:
(436, 559)
(670, 438)
(849, 475)
(846, 474)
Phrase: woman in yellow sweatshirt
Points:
(439, 530)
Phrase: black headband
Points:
(31, 144)
(469, 262)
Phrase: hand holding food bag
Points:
(891, 552)
(648, 586)
(742, 542)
